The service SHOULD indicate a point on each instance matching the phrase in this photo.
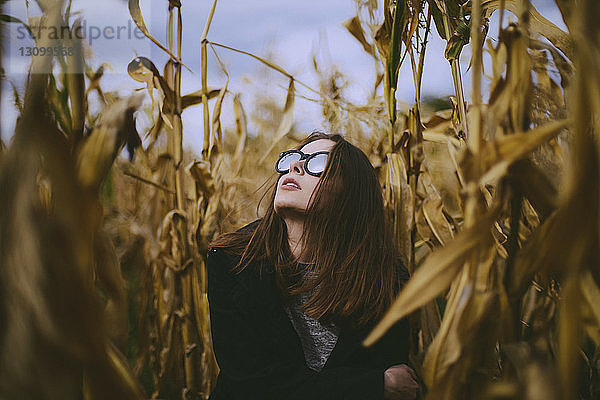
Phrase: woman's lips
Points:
(290, 184)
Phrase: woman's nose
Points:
(297, 167)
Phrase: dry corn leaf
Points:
(511, 148)
(143, 69)
(136, 15)
(434, 204)
(53, 252)
(537, 24)
(34, 260)
(194, 98)
(441, 174)
(217, 131)
(76, 85)
(201, 172)
(564, 66)
(59, 103)
(354, 27)
(423, 228)
(124, 382)
(435, 274)
(429, 324)
(106, 141)
(268, 63)
(287, 120)
(446, 346)
(95, 77)
(432, 211)
(544, 82)
(440, 136)
(382, 34)
(45, 28)
(510, 97)
(121, 366)
(535, 186)
(212, 218)
(108, 274)
(399, 203)
(468, 326)
(591, 295)
(189, 335)
(241, 131)
(392, 64)
(173, 241)
(201, 312)
(528, 263)
(414, 22)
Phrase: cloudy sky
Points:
(289, 33)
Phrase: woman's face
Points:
(295, 187)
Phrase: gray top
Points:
(317, 339)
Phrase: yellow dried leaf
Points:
(194, 98)
(591, 294)
(537, 23)
(353, 26)
(432, 211)
(201, 172)
(287, 120)
(241, 130)
(435, 275)
(136, 15)
(268, 63)
(217, 132)
(399, 202)
(511, 148)
(104, 143)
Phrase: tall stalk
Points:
(456, 75)
(473, 203)
(188, 331)
(474, 137)
(415, 155)
(177, 125)
(393, 65)
(474, 140)
(207, 143)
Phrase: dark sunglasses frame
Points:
(303, 156)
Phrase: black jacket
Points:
(259, 352)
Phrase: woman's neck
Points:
(295, 228)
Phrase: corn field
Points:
(495, 204)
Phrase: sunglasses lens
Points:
(283, 165)
(317, 164)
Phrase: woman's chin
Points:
(286, 210)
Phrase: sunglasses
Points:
(315, 163)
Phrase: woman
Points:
(293, 294)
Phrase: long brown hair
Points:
(355, 271)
